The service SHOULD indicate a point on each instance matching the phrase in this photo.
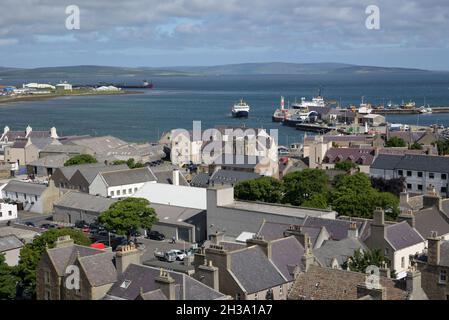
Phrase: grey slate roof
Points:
(229, 177)
(200, 180)
(53, 161)
(9, 242)
(412, 162)
(140, 276)
(174, 214)
(84, 201)
(63, 256)
(402, 235)
(90, 172)
(153, 295)
(254, 270)
(430, 219)
(164, 174)
(274, 230)
(42, 142)
(25, 187)
(338, 229)
(130, 176)
(286, 253)
(340, 250)
(62, 148)
(69, 171)
(99, 268)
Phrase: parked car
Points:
(155, 235)
(180, 254)
(48, 226)
(168, 256)
(30, 224)
(81, 224)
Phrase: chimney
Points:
(307, 259)
(413, 283)
(353, 231)
(408, 216)
(5, 130)
(403, 198)
(295, 230)
(167, 284)
(53, 133)
(217, 237)
(125, 256)
(378, 230)
(433, 249)
(431, 198)
(379, 217)
(376, 292)
(175, 179)
(207, 273)
(263, 244)
(64, 241)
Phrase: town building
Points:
(10, 246)
(362, 157)
(32, 197)
(396, 241)
(122, 183)
(8, 211)
(420, 171)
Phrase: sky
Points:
(158, 33)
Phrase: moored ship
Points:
(279, 114)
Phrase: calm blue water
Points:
(177, 101)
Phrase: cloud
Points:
(301, 27)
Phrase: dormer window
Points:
(125, 284)
(443, 277)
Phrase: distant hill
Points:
(66, 72)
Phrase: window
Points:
(400, 173)
(1, 214)
(443, 276)
(9, 213)
(135, 189)
(281, 290)
(409, 186)
(130, 191)
(24, 196)
(112, 193)
(386, 251)
(124, 191)
(237, 296)
(409, 173)
(46, 277)
(431, 175)
(443, 176)
(443, 189)
(47, 295)
(420, 187)
(402, 262)
(255, 296)
(419, 174)
(118, 192)
(17, 195)
(35, 198)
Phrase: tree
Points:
(31, 253)
(443, 147)
(80, 159)
(346, 165)
(302, 185)
(266, 189)
(363, 259)
(317, 200)
(8, 280)
(131, 163)
(416, 146)
(394, 186)
(128, 215)
(354, 196)
(395, 142)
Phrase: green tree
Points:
(80, 159)
(317, 200)
(266, 189)
(131, 163)
(395, 142)
(443, 147)
(31, 253)
(346, 165)
(8, 280)
(128, 215)
(416, 146)
(302, 185)
(363, 259)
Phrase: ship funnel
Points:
(282, 103)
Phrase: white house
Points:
(421, 172)
(7, 211)
(122, 183)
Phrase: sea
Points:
(176, 102)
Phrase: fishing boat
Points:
(279, 114)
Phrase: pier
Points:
(314, 127)
(409, 111)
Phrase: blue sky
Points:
(157, 33)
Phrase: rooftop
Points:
(412, 162)
(84, 201)
(129, 176)
(25, 187)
